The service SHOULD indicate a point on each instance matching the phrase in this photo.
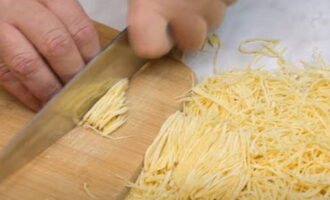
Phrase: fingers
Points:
(148, 30)
(23, 62)
(50, 37)
(9, 82)
(149, 23)
(78, 24)
(189, 32)
(229, 2)
(215, 13)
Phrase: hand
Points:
(155, 26)
(43, 43)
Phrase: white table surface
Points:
(302, 25)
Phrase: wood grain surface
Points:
(82, 156)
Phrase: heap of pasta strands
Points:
(245, 134)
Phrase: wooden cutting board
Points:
(82, 157)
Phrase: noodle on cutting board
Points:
(109, 112)
(245, 134)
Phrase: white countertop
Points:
(302, 25)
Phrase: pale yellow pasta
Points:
(245, 134)
(109, 112)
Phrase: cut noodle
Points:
(108, 113)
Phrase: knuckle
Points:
(57, 42)
(84, 34)
(24, 64)
(5, 74)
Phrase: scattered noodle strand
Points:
(88, 192)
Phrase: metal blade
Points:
(61, 114)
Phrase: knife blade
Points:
(62, 112)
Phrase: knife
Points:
(62, 112)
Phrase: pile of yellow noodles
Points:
(245, 134)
